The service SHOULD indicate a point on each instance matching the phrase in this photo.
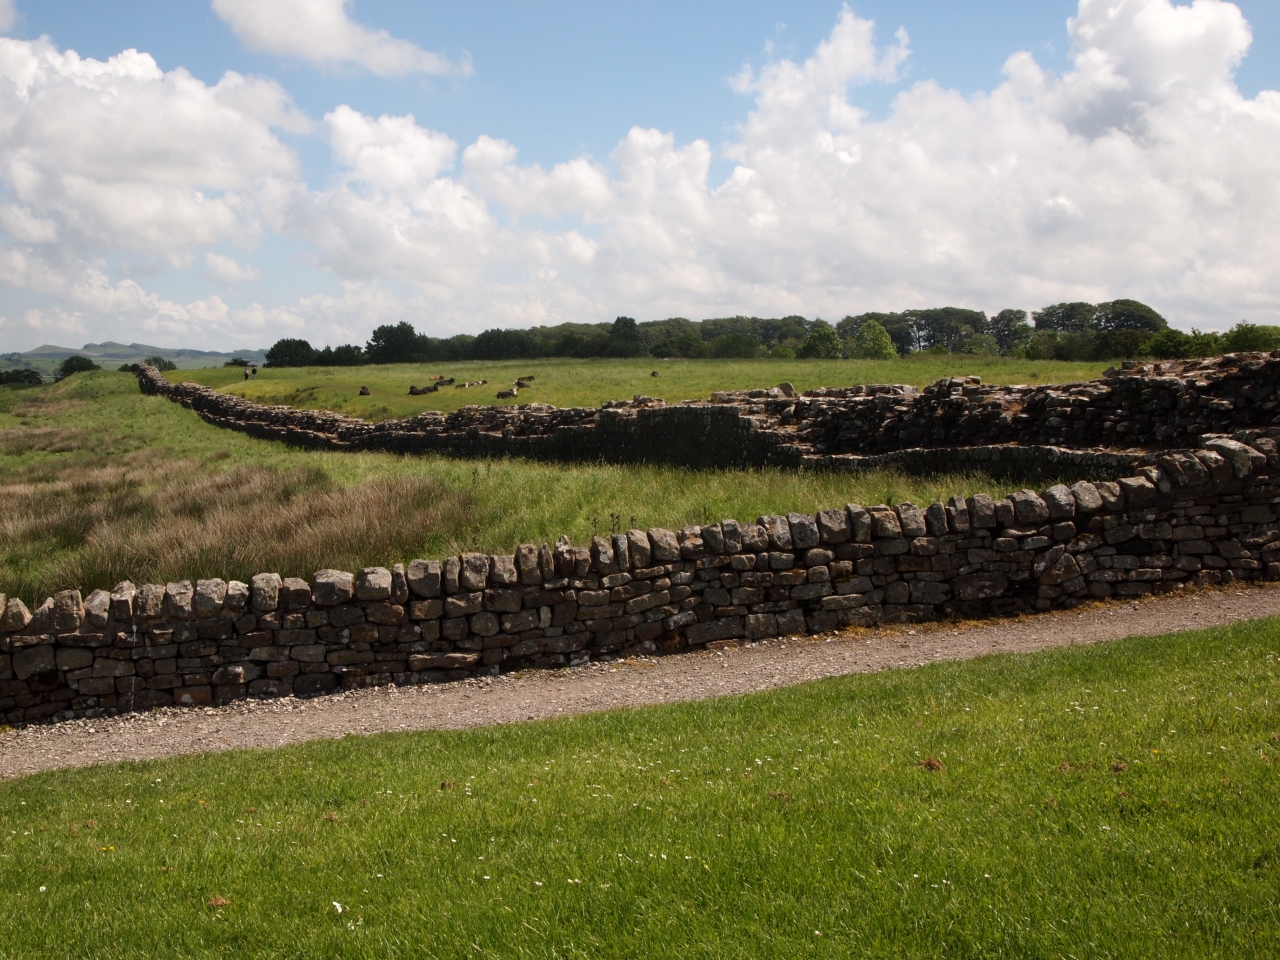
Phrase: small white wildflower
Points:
(337, 906)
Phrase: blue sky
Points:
(644, 111)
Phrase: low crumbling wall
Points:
(1140, 407)
(1207, 515)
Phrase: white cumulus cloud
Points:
(321, 31)
(226, 269)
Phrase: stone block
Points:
(237, 599)
(295, 594)
(474, 573)
(1138, 491)
(664, 547)
(1028, 508)
(425, 578)
(148, 603)
(30, 661)
(804, 531)
(374, 583)
(979, 586)
(209, 597)
(265, 591)
(833, 526)
(122, 600)
(911, 521)
(1060, 501)
(346, 615)
(982, 512)
(885, 523)
(387, 614)
(442, 661)
(778, 530)
(68, 611)
(502, 571)
(314, 684)
(73, 658)
(425, 609)
(16, 616)
(332, 587)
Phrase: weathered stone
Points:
(979, 586)
(910, 521)
(451, 575)
(122, 598)
(833, 526)
(755, 538)
(859, 524)
(30, 661)
(295, 594)
(527, 570)
(690, 540)
(929, 591)
(1087, 498)
(474, 574)
(68, 611)
(958, 515)
(332, 587)
(266, 592)
(884, 522)
(1028, 508)
(148, 604)
(443, 661)
(502, 571)
(602, 555)
(1244, 460)
(713, 539)
(237, 599)
(1060, 501)
(639, 548)
(664, 547)
(373, 583)
(778, 531)
(97, 608)
(1062, 570)
(1138, 491)
(209, 596)
(804, 531)
(982, 511)
(179, 599)
(424, 578)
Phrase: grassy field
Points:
(580, 383)
(99, 483)
(1119, 801)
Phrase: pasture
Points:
(587, 383)
(99, 484)
(1116, 801)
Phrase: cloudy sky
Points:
(222, 173)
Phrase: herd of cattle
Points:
(438, 381)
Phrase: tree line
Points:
(1117, 329)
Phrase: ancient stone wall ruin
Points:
(1087, 427)
(1172, 514)
(1196, 516)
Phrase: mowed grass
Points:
(1114, 801)
(99, 484)
(588, 383)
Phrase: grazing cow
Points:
(654, 374)
(445, 383)
(415, 391)
(530, 378)
(364, 391)
(508, 394)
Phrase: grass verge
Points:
(99, 483)
(588, 383)
(1112, 801)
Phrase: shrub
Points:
(162, 364)
(1245, 337)
(21, 377)
(873, 342)
(822, 343)
(236, 362)
(76, 364)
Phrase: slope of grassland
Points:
(99, 483)
(1110, 801)
(588, 383)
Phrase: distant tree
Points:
(872, 342)
(1129, 315)
(22, 377)
(735, 346)
(1066, 317)
(76, 364)
(1246, 337)
(131, 368)
(398, 343)
(1011, 330)
(290, 352)
(162, 364)
(237, 362)
(687, 345)
(625, 339)
(348, 355)
(822, 343)
(782, 352)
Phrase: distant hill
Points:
(110, 354)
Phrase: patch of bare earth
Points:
(632, 683)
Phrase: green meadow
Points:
(99, 483)
(1117, 801)
(586, 383)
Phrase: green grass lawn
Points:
(99, 483)
(1112, 801)
(584, 383)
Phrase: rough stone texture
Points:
(1170, 516)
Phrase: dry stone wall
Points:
(1207, 515)
(1085, 429)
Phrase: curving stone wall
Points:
(1207, 515)
(1085, 428)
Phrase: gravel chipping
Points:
(640, 682)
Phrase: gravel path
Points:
(538, 694)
